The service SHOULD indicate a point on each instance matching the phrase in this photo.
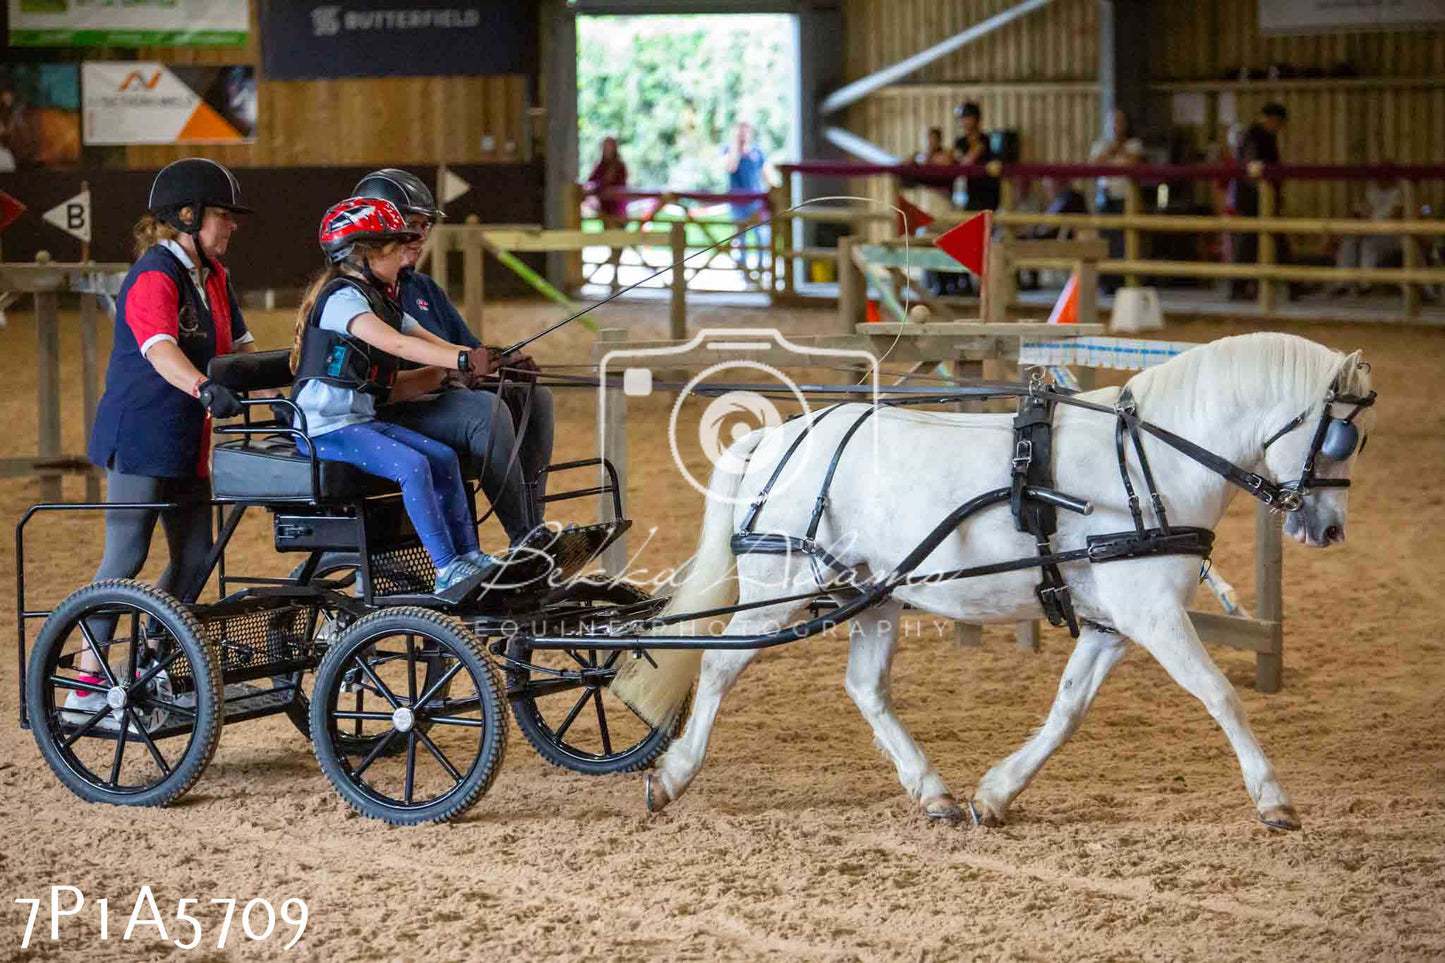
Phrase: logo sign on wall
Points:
(1334, 16)
(150, 103)
(133, 23)
(390, 38)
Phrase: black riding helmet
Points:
(193, 182)
(407, 191)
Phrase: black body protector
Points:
(342, 360)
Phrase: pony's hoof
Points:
(657, 797)
(1280, 817)
(983, 814)
(943, 808)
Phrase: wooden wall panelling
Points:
(360, 121)
(1058, 42)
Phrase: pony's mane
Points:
(1256, 369)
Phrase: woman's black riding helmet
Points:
(197, 183)
(407, 191)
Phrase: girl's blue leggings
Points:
(428, 473)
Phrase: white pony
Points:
(1229, 397)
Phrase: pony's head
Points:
(1313, 453)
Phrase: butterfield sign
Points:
(150, 103)
(377, 38)
(128, 23)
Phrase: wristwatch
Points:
(464, 361)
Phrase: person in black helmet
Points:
(176, 311)
(462, 418)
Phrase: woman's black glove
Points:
(219, 400)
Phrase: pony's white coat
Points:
(1228, 396)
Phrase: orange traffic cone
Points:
(1066, 309)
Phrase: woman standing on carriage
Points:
(176, 311)
(351, 336)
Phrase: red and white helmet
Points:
(361, 219)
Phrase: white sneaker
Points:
(80, 706)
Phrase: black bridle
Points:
(1335, 438)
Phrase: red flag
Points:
(10, 209)
(1066, 309)
(911, 217)
(968, 242)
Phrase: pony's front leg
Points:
(873, 639)
(1096, 652)
(720, 669)
(1170, 638)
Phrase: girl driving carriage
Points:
(350, 336)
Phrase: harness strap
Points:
(822, 502)
(1128, 416)
(1123, 453)
(757, 506)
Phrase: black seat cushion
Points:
(263, 468)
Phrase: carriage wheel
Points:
(453, 732)
(329, 628)
(570, 720)
(159, 726)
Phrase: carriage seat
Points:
(269, 466)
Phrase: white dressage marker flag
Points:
(451, 187)
(72, 216)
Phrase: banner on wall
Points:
(131, 23)
(1340, 16)
(394, 38)
(150, 103)
(39, 115)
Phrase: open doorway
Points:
(672, 94)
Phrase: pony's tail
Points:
(656, 694)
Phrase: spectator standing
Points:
(745, 164)
(610, 173)
(1259, 143)
(1383, 201)
(972, 147)
(1117, 148)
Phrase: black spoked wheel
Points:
(124, 695)
(452, 732)
(560, 700)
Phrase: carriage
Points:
(405, 706)
(403, 695)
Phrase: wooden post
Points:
(852, 288)
(1410, 247)
(677, 318)
(999, 285)
(1266, 245)
(1026, 635)
(47, 413)
(781, 276)
(612, 445)
(1133, 242)
(441, 245)
(88, 384)
(572, 221)
(473, 256)
(1088, 291)
(1268, 596)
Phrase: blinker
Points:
(1341, 437)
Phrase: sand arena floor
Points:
(1137, 841)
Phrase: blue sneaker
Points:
(454, 574)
